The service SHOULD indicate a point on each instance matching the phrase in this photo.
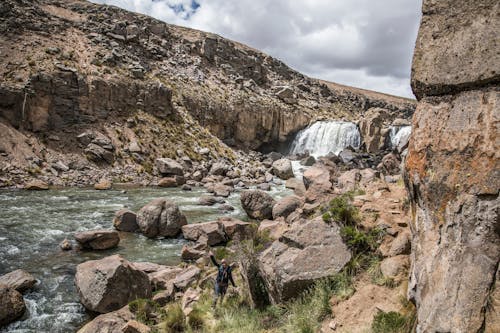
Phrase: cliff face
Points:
(93, 62)
(453, 168)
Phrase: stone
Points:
(308, 251)
(19, 280)
(160, 218)
(112, 322)
(264, 187)
(133, 326)
(225, 208)
(286, 205)
(66, 245)
(219, 169)
(234, 228)
(317, 183)
(100, 239)
(169, 167)
(12, 305)
(207, 200)
(282, 168)
(167, 182)
(349, 180)
(165, 296)
(190, 253)
(37, 185)
(103, 184)
(401, 244)
(98, 154)
(273, 228)
(214, 231)
(371, 127)
(186, 277)
(287, 95)
(395, 267)
(390, 165)
(125, 220)
(257, 204)
(456, 47)
(222, 190)
(189, 299)
(108, 284)
(308, 161)
(296, 185)
(161, 279)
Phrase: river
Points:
(32, 224)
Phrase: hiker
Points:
(224, 275)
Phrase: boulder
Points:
(190, 253)
(133, 326)
(317, 183)
(12, 305)
(161, 279)
(222, 190)
(225, 208)
(100, 239)
(98, 154)
(165, 296)
(219, 169)
(395, 267)
(167, 182)
(186, 277)
(103, 184)
(125, 220)
(19, 280)
(207, 200)
(108, 284)
(308, 251)
(160, 218)
(349, 180)
(234, 228)
(401, 244)
(308, 161)
(257, 204)
(189, 299)
(282, 168)
(112, 322)
(273, 228)
(214, 231)
(371, 128)
(297, 185)
(390, 165)
(168, 167)
(66, 245)
(285, 206)
(36, 185)
(264, 187)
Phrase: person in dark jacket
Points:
(224, 275)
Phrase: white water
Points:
(399, 134)
(324, 137)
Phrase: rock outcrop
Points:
(452, 168)
(108, 284)
(160, 218)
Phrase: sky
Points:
(361, 43)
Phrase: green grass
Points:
(341, 210)
(389, 322)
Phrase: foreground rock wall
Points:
(452, 169)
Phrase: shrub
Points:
(174, 319)
(144, 310)
(360, 241)
(389, 322)
(341, 210)
(195, 319)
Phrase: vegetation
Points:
(341, 210)
(389, 322)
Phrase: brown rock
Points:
(401, 244)
(189, 299)
(161, 279)
(234, 228)
(167, 166)
(317, 182)
(286, 205)
(257, 204)
(395, 267)
(133, 326)
(282, 168)
(296, 185)
(36, 185)
(100, 239)
(186, 277)
(19, 280)
(112, 322)
(190, 253)
(222, 190)
(11, 305)
(160, 218)
(214, 231)
(273, 228)
(167, 182)
(372, 126)
(108, 284)
(125, 220)
(103, 184)
(66, 245)
(165, 296)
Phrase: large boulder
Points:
(160, 218)
(234, 228)
(213, 231)
(111, 322)
(19, 280)
(164, 278)
(285, 206)
(257, 204)
(452, 166)
(297, 185)
(456, 48)
(169, 167)
(219, 169)
(186, 277)
(11, 305)
(317, 183)
(108, 284)
(100, 239)
(374, 129)
(308, 251)
(125, 220)
(282, 168)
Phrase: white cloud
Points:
(363, 43)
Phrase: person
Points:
(224, 276)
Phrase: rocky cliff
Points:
(452, 169)
(150, 88)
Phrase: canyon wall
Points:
(453, 169)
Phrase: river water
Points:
(32, 224)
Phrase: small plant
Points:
(195, 319)
(376, 274)
(341, 210)
(360, 241)
(389, 322)
(144, 310)
(174, 319)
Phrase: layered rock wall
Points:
(453, 168)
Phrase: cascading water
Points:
(324, 137)
(399, 134)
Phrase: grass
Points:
(389, 322)
(376, 275)
(341, 210)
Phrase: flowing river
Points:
(34, 223)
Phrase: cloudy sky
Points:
(362, 43)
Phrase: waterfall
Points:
(399, 134)
(325, 137)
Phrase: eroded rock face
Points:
(108, 284)
(308, 251)
(373, 128)
(160, 218)
(452, 168)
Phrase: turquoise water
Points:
(32, 224)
